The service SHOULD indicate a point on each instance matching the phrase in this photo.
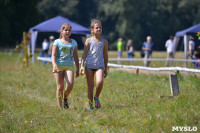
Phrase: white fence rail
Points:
(126, 59)
(155, 69)
(48, 59)
(152, 59)
(139, 67)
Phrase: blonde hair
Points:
(93, 22)
(129, 43)
(65, 25)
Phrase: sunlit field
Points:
(130, 103)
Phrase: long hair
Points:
(93, 22)
(65, 25)
(129, 43)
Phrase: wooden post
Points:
(25, 48)
(177, 72)
(173, 80)
(137, 70)
(174, 84)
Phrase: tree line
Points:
(129, 19)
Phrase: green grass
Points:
(130, 103)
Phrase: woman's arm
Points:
(105, 55)
(53, 58)
(85, 52)
(76, 60)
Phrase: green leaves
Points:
(16, 17)
(130, 19)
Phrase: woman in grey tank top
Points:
(95, 60)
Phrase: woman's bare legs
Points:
(90, 83)
(59, 76)
(69, 77)
(99, 81)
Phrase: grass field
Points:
(130, 103)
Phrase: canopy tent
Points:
(53, 25)
(186, 34)
(189, 31)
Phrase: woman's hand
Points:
(55, 68)
(105, 73)
(82, 70)
(77, 73)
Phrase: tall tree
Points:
(130, 19)
(16, 16)
(52, 8)
(136, 19)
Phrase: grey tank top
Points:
(94, 59)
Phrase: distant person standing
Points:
(51, 41)
(120, 47)
(147, 48)
(45, 46)
(196, 56)
(191, 47)
(170, 50)
(197, 53)
(130, 49)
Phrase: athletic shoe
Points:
(97, 103)
(66, 106)
(91, 108)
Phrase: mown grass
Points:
(130, 103)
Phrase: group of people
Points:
(192, 53)
(47, 46)
(93, 63)
(146, 51)
(129, 48)
(191, 50)
(147, 48)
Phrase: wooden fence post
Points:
(137, 70)
(25, 49)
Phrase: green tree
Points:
(130, 19)
(16, 16)
(80, 11)
(136, 19)
(51, 8)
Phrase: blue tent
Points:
(186, 34)
(54, 25)
(189, 31)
